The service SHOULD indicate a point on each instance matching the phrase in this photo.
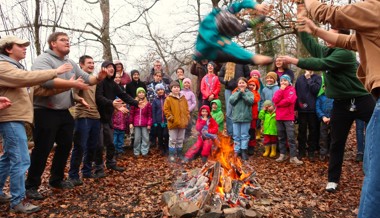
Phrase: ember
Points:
(221, 187)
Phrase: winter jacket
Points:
(119, 120)
(366, 39)
(288, 72)
(141, 116)
(190, 97)
(339, 66)
(157, 110)
(106, 93)
(200, 71)
(324, 106)
(242, 106)
(218, 114)
(13, 80)
(210, 85)
(307, 91)
(284, 100)
(131, 87)
(267, 93)
(151, 93)
(240, 71)
(269, 122)
(176, 111)
(212, 126)
(256, 95)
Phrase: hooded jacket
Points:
(256, 95)
(324, 106)
(13, 80)
(284, 100)
(218, 114)
(176, 111)
(158, 110)
(210, 85)
(106, 93)
(212, 126)
(307, 91)
(190, 97)
(268, 92)
(141, 116)
(125, 78)
(269, 122)
(131, 87)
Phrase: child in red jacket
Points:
(254, 87)
(210, 85)
(207, 128)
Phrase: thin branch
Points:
(271, 39)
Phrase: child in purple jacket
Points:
(160, 124)
(141, 122)
(191, 102)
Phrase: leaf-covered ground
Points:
(295, 191)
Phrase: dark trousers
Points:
(105, 140)
(162, 133)
(325, 138)
(86, 139)
(341, 121)
(50, 126)
(308, 122)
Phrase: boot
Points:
(273, 151)
(244, 154)
(267, 150)
(251, 150)
(258, 134)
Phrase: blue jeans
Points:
(15, 161)
(370, 196)
(227, 95)
(118, 139)
(360, 132)
(86, 138)
(241, 136)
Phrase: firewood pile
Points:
(220, 188)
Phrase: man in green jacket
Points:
(351, 100)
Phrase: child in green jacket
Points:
(268, 116)
(217, 113)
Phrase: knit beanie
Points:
(255, 72)
(135, 71)
(267, 103)
(186, 80)
(158, 87)
(140, 89)
(286, 77)
(173, 83)
(273, 75)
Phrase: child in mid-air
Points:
(207, 128)
(218, 27)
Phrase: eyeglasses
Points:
(158, 75)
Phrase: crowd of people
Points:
(157, 111)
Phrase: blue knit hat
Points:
(286, 77)
(158, 87)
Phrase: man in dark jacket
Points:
(157, 66)
(229, 75)
(107, 94)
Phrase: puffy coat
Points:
(324, 106)
(269, 124)
(210, 85)
(284, 100)
(242, 106)
(158, 110)
(307, 91)
(218, 114)
(212, 127)
(141, 116)
(176, 111)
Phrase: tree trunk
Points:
(36, 24)
(105, 30)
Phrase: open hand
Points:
(4, 102)
(304, 24)
(64, 68)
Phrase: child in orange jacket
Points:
(254, 87)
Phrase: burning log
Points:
(249, 190)
(213, 185)
(236, 187)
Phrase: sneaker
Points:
(76, 182)
(33, 193)
(331, 186)
(25, 207)
(295, 161)
(282, 158)
(62, 185)
(5, 198)
(359, 158)
(99, 174)
(116, 168)
(171, 158)
(322, 157)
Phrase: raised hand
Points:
(262, 8)
(262, 59)
(102, 74)
(304, 24)
(79, 84)
(64, 68)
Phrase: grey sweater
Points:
(64, 100)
